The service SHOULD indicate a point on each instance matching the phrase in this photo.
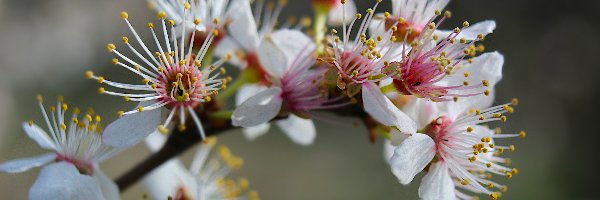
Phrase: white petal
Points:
(258, 109)
(155, 141)
(377, 26)
(251, 133)
(336, 15)
(229, 46)
(437, 184)
(24, 164)
(131, 129)
(243, 28)
(63, 181)
(396, 137)
(422, 111)
(247, 91)
(471, 32)
(388, 150)
(277, 51)
(108, 187)
(487, 66)
(301, 131)
(166, 179)
(40, 136)
(384, 111)
(412, 156)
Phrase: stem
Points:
(224, 114)
(177, 143)
(245, 77)
(320, 27)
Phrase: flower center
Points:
(84, 167)
(404, 29)
(180, 84)
(325, 5)
(437, 130)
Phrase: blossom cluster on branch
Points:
(427, 92)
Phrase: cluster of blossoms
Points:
(427, 92)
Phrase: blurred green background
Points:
(549, 47)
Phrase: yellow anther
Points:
(504, 189)
(515, 102)
(486, 93)
(196, 21)
(75, 121)
(448, 14)
(514, 171)
(89, 74)
(490, 185)
(88, 117)
(120, 113)
(244, 183)
(465, 24)
(161, 15)
(464, 182)
(126, 98)
(153, 86)
(472, 159)
(485, 83)
(100, 79)
(63, 126)
(171, 22)
(207, 99)
(437, 12)
(358, 16)
(466, 74)
(488, 165)
(140, 108)
(522, 134)
(150, 25)
(187, 5)
(503, 118)
(387, 14)
(145, 81)
(466, 83)
(216, 32)
(101, 90)
(216, 21)
(494, 196)
(469, 129)
(511, 147)
(162, 129)
(509, 175)
(110, 47)
(124, 15)
(115, 61)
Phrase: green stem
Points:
(320, 27)
(245, 77)
(223, 114)
(388, 88)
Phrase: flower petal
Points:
(247, 91)
(24, 164)
(412, 156)
(243, 27)
(277, 51)
(131, 129)
(166, 179)
(258, 109)
(337, 14)
(301, 131)
(422, 111)
(384, 111)
(470, 33)
(437, 184)
(108, 187)
(396, 137)
(63, 181)
(251, 133)
(155, 141)
(40, 136)
(388, 150)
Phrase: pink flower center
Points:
(404, 29)
(178, 85)
(438, 131)
(84, 167)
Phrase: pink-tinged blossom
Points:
(361, 64)
(207, 178)
(444, 70)
(172, 77)
(288, 56)
(462, 153)
(77, 148)
(410, 18)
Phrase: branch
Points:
(179, 142)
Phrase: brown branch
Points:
(179, 142)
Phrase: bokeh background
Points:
(550, 47)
